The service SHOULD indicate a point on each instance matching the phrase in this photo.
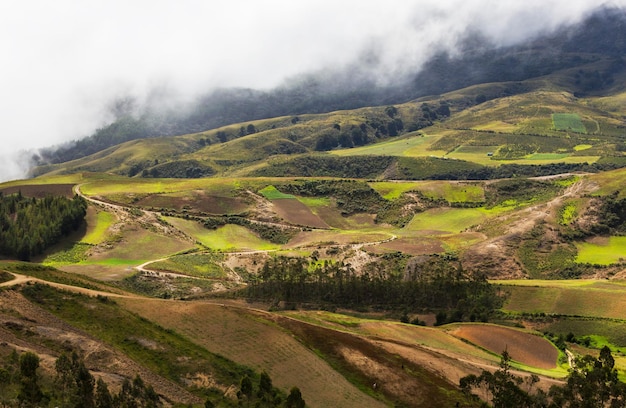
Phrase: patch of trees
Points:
(351, 196)
(610, 215)
(591, 382)
(435, 283)
(22, 385)
(30, 225)
(266, 395)
(518, 189)
(327, 166)
(177, 169)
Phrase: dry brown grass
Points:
(251, 340)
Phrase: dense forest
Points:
(30, 225)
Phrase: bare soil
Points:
(523, 347)
(40, 190)
(294, 212)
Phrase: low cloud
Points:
(64, 61)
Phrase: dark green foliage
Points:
(351, 196)
(29, 225)
(269, 232)
(592, 382)
(179, 169)
(504, 388)
(294, 399)
(327, 166)
(520, 190)
(432, 283)
(30, 393)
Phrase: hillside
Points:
(593, 65)
(371, 248)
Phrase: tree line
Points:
(592, 382)
(30, 225)
(434, 283)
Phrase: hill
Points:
(370, 249)
(593, 63)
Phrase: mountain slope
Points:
(595, 40)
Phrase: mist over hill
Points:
(589, 54)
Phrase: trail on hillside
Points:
(498, 253)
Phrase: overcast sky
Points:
(62, 60)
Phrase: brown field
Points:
(41, 190)
(250, 339)
(294, 212)
(412, 246)
(523, 347)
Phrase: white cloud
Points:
(63, 59)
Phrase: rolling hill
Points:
(370, 249)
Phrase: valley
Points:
(374, 256)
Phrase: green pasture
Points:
(414, 146)
(52, 179)
(390, 190)
(568, 122)
(568, 213)
(201, 265)
(141, 186)
(548, 156)
(227, 238)
(271, 193)
(538, 159)
(475, 154)
(451, 192)
(315, 202)
(607, 253)
(452, 220)
(97, 228)
(601, 331)
(604, 299)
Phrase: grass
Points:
(170, 355)
(590, 298)
(452, 220)
(227, 238)
(568, 213)
(97, 227)
(271, 193)
(610, 252)
(437, 190)
(248, 337)
(201, 265)
(568, 122)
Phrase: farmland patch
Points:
(602, 251)
(295, 212)
(526, 348)
(568, 122)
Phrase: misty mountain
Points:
(588, 55)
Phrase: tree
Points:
(245, 386)
(103, 398)
(294, 399)
(591, 383)
(30, 392)
(503, 387)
